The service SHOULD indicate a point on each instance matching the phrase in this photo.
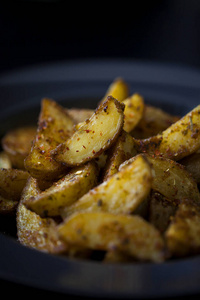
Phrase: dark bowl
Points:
(82, 84)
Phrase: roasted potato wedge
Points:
(103, 231)
(178, 141)
(12, 182)
(118, 89)
(7, 206)
(121, 193)
(34, 231)
(94, 136)
(182, 236)
(17, 144)
(133, 112)
(154, 121)
(123, 149)
(65, 191)
(79, 115)
(54, 127)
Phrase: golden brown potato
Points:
(7, 206)
(133, 112)
(94, 136)
(121, 193)
(118, 89)
(65, 191)
(34, 231)
(54, 127)
(178, 141)
(12, 182)
(17, 144)
(131, 235)
(154, 121)
(182, 236)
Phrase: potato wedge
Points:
(172, 180)
(94, 136)
(118, 89)
(7, 206)
(121, 193)
(34, 231)
(12, 182)
(5, 162)
(182, 236)
(133, 112)
(154, 121)
(123, 149)
(17, 144)
(104, 231)
(179, 140)
(65, 191)
(54, 127)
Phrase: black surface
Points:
(81, 84)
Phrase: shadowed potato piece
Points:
(121, 193)
(65, 191)
(178, 141)
(95, 135)
(17, 144)
(182, 236)
(7, 206)
(54, 127)
(123, 149)
(12, 182)
(154, 121)
(5, 162)
(133, 112)
(118, 89)
(161, 211)
(172, 180)
(103, 231)
(32, 230)
(192, 165)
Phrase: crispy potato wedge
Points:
(103, 231)
(54, 127)
(161, 210)
(121, 193)
(34, 231)
(172, 180)
(178, 141)
(12, 182)
(118, 89)
(133, 112)
(192, 165)
(123, 149)
(17, 144)
(182, 236)
(65, 191)
(94, 136)
(154, 121)
(5, 162)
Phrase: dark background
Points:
(34, 32)
(44, 31)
